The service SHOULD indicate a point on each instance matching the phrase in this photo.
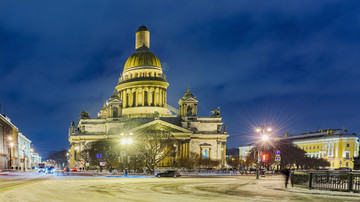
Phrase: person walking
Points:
(286, 173)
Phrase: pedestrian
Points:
(286, 173)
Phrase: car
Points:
(168, 173)
(50, 170)
(74, 169)
(42, 169)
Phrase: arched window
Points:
(136, 75)
(149, 74)
(153, 100)
(146, 99)
(189, 111)
(127, 100)
(130, 76)
(115, 112)
(134, 99)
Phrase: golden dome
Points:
(142, 58)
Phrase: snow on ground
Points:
(236, 188)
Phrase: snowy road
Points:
(34, 187)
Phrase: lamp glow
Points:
(265, 138)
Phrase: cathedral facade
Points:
(139, 102)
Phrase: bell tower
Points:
(188, 105)
(114, 106)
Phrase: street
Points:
(41, 187)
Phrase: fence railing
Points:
(329, 180)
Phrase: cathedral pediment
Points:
(189, 99)
(114, 100)
(162, 126)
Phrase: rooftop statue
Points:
(84, 114)
(216, 113)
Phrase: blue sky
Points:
(290, 64)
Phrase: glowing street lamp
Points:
(263, 131)
(264, 138)
(126, 141)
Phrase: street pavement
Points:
(45, 187)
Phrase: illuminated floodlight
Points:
(76, 148)
(129, 141)
(265, 138)
(269, 129)
(10, 138)
(123, 141)
(258, 130)
(11, 144)
(122, 134)
(130, 133)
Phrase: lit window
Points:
(205, 154)
(317, 147)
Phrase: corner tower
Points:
(142, 85)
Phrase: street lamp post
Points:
(126, 141)
(264, 133)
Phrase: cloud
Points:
(58, 58)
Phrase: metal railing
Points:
(327, 180)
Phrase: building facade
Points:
(24, 148)
(8, 143)
(139, 103)
(337, 146)
(35, 160)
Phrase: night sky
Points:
(293, 65)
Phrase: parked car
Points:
(168, 173)
(74, 169)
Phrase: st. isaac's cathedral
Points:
(140, 97)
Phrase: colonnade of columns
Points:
(183, 150)
(143, 96)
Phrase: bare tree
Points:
(153, 146)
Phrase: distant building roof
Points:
(329, 133)
(321, 134)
